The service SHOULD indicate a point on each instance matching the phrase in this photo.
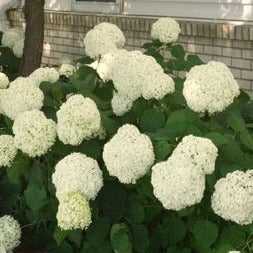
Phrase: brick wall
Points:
(226, 42)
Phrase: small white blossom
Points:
(67, 70)
(166, 30)
(129, 154)
(77, 172)
(78, 119)
(10, 234)
(233, 197)
(8, 150)
(210, 88)
(34, 133)
(20, 98)
(74, 212)
(102, 39)
(4, 81)
(11, 36)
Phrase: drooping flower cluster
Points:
(8, 150)
(134, 75)
(77, 179)
(34, 133)
(12, 37)
(180, 181)
(102, 39)
(166, 30)
(210, 88)
(74, 212)
(77, 172)
(4, 81)
(78, 119)
(129, 154)
(20, 97)
(45, 74)
(233, 197)
(67, 70)
(10, 234)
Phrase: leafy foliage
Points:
(128, 218)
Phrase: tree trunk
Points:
(34, 36)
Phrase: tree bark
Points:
(34, 36)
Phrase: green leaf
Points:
(120, 239)
(217, 138)
(136, 212)
(205, 232)
(60, 235)
(178, 121)
(75, 236)
(162, 149)
(193, 60)
(102, 247)
(35, 198)
(233, 235)
(152, 120)
(64, 248)
(225, 248)
(112, 201)
(140, 237)
(178, 51)
(110, 125)
(172, 231)
(85, 79)
(98, 230)
(238, 124)
(18, 167)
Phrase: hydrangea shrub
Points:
(126, 151)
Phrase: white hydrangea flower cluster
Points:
(129, 154)
(134, 75)
(77, 172)
(102, 39)
(234, 251)
(166, 30)
(34, 133)
(45, 74)
(12, 36)
(192, 147)
(4, 81)
(20, 97)
(10, 234)
(177, 184)
(74, 212)
(180, 181)
(67, 70)
(8, 150)
(233, 197)
(18, 48)
(20, 80)
(210, 88)
(78, 119)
